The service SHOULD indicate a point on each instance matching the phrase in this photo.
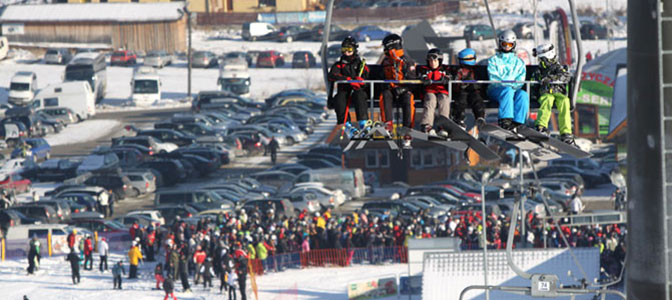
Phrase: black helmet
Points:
(392, 41)
(350, 41)
(436, 54)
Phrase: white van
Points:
(235, 77)
(22, 88)
(75, 95)
(4, 47)
(253, 30)
(145, 86)
(350, 181)
(18, 237)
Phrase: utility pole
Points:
(188, 13)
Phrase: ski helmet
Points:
(392, 41)
(435, 53)
(546, 51)
(507, 41)
(467, 57)
(349, 42)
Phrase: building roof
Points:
(93, 12)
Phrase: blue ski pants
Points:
(513, 104)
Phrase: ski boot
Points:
(568, 138)
(506, 124)
(389, 126)
(461, 124)
(350, 130)
(542, 130)
(428, 129)
(443, 133)
(364, 127)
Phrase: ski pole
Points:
(347, 106)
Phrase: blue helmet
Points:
(467, 57)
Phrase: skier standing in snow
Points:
(396, 66)
(435, 77)
(231, 281)
(207, 272)
(467, 94)
(348, 68)
(88, 253)
(514, 102)
(73, 258)
(550, 70)
(183, 266)
(273, 147)
(158, 275)
(117, 270)
(33, 254)
(134, 256)
(103, 251)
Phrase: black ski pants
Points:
(357, 102)
(466, 99)
(117, 281)
(242, 284)
(103, 261)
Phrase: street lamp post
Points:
(484, 180)
(186, 10)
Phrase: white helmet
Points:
(507, 41)
(545, 51)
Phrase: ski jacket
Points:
(549, 72)
(103, 248)
(398, 68)
(134, 255)
(71, 240)
(506, 66)
(158, 270)
(465, 73)
(439, 74)
(251, 251)
(118, 269)
(199, 257)
(168, 285)
(73, 258)
(88, 247)
(346, 70)
(262, 252)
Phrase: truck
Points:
(145, 86)
(235, 77)
(75, 95)
(22, 88)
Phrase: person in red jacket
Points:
(435, 78)
(133, 229)
(72, 237)
(199, 259)
(88, 253)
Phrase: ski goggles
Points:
(433, 56)
(393, 45)
(468, 58)
(347, 49)
(505, 44)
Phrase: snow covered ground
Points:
(53, 282)
(83, 132)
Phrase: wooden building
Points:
(132, 26)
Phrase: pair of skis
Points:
(537, 143)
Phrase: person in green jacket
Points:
(252, 254)
(262, 252)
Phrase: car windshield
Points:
(52, 52)
(119, 54)
(17, 86)
(145, 86)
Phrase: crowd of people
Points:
(224, 248)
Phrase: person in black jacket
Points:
(73, 258)
(241, 270)
(349, 67)
(33, 254)
(169, 287)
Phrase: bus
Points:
(90, 67)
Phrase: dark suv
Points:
(120, 185)
(44, 213)
(591, 31)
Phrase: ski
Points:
(538, 144)
(456, 133)
(547, 141)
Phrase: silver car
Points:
(57, 56)
(142, 182)
(158, 59)
(60, 113)
(203, 59)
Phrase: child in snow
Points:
(207, 272)
(232, 283)
(169, 287)
(467, 94)
(436, 94)
(158, 274)
(396, 66)
(74, 260)
(117, 270)
(549, 71)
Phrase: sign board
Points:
(373, 289)
(12, 29)
(417, 248)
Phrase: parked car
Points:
(368, 33)
(151, 214)
(60, 113)
(278, 179)
(120, 185)
(61, 206)
(44, 213)
(123, 57)
(82, 200)
(254, 30)
(14, 183)
(335, 34)
(171, 211)
(281, 206)
(288, 34)
(142, 182)
(198, 199)
(147, 141)
(158, 59)
(203, 59)
(237, 55)
(129, 220)
(478, 32)
(169, 136)
(303, 59)
(99, 162)
(172, 171)
(590, 178)
(270, 59)
(10, 218)
(592, 31)
(53, 170)
(39, 149)
(59, 56)
(99, 225)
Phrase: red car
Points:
(123, 57)
(270, 59)
(15, 182)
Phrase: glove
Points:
(445, 80)
(426, 82)
(545, 81)
(357, 85)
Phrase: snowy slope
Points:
(53, 282)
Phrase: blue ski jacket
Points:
(506, 66)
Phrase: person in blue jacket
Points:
(514, 102)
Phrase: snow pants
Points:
(561, 101)
(465, 99)
(399, 98)
(117, 281)
(430, 103)
(357, 101)
(513, 104)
